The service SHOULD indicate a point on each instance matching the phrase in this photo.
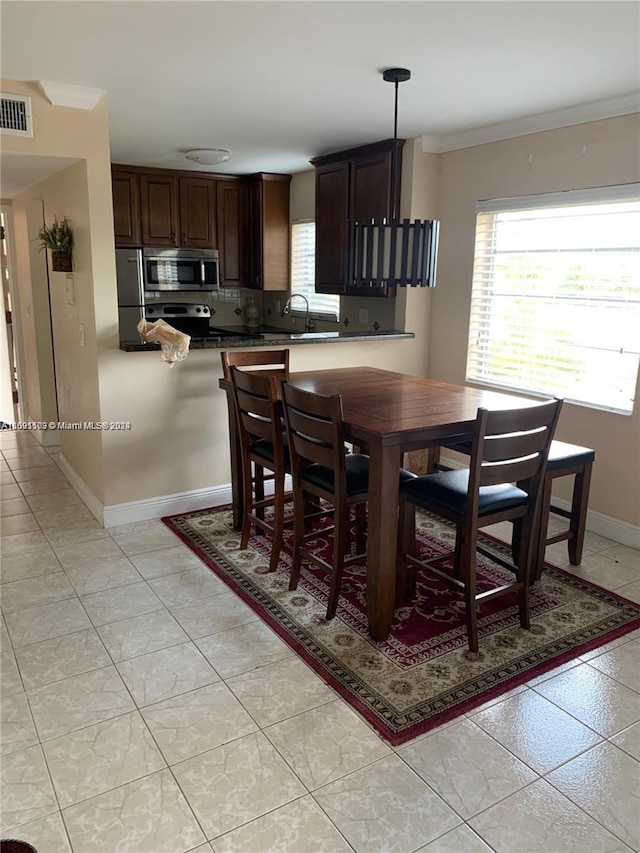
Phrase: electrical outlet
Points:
(81, 334)
(363, 315)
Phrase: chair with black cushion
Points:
(508, 447)
(273, 363)
(321, 468)
(565, 460)
(263, 445)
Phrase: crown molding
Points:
(609, 108)
(67, 95)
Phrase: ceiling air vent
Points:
(15, 115)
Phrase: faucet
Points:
(308, 325)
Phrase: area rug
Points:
(423, 674)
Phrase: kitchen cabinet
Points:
(268, 232)
(159, 209)
(351, 184)
(197, 213)
(231, 216)
(245, 217)
(126, 208)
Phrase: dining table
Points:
(388, 414)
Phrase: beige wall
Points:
(178, 441)
(83, 193)
(33, 323)
(502, 169)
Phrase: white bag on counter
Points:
(174, 345)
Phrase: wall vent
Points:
(15, 115)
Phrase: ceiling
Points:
(280, 82)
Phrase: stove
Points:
(193, 319)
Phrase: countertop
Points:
(241, 336)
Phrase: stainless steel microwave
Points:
(180, 269)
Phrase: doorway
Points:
(10, 373)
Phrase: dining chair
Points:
(508, 447)
(263, 445)
(565, 460)
(272, 362)
(323, 470)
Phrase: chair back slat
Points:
(314, 424)
(258, 407)
(513, 471)
(512, 446)
(270, 361)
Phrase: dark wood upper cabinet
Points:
(370, 187)
(332, 213)
(197, 213)
(352, 184)
(269, 232)
(245, 217)
(159, 207)
(231, 215)
(126, 208)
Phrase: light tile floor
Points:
(145, 709)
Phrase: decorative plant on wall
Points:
(58, 238)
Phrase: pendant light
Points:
(387, 253)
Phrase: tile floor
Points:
(145, 709)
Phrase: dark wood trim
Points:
(361, 151)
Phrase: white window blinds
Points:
(556, 296)
(303, 274)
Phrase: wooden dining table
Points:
(389, 414)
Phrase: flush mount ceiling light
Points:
(389, 252)
(208, 156)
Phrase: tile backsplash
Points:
(227, 306)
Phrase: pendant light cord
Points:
(394, 155)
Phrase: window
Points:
(303, 274)
(555, 305)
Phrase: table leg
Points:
(237, 484)
(384, 463)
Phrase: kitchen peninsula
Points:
(267, 336)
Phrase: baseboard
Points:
(144, 510)
(611, 528)
(597, 522)
(47, 438)
(92, 502)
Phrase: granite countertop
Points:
(241, 336)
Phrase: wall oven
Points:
(180, 269)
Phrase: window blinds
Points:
(303, 273)
(556, 296)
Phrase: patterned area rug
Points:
(424, 674)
